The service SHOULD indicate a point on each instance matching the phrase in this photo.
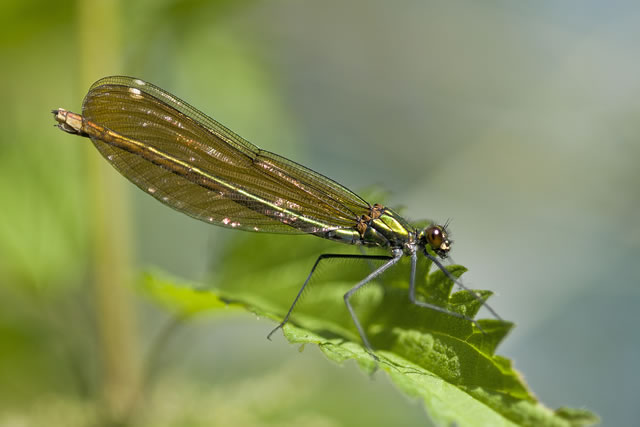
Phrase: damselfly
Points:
(195, 165)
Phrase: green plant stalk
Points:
(98, 29)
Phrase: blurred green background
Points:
(520, 122)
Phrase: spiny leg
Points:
(397, 255)
(313, 269)
(412, 295)
(457, 282)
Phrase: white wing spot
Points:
(135, 93)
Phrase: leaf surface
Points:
(445, 361)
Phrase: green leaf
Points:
(183, 300)
(446, 361)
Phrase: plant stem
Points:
(98, 30)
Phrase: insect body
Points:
(195, 165)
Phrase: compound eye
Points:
(435, 236)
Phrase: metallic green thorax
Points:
(382, 228)
(388, 230)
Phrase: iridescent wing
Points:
(257, 191)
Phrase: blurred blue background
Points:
(519, 122)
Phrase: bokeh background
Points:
(519, 122)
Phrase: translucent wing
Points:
(262, 191)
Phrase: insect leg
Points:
(397, 255)
(412, 293)
(313, 269)
(459, 283)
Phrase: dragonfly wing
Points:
(259, 191)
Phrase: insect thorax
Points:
(385, 228)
